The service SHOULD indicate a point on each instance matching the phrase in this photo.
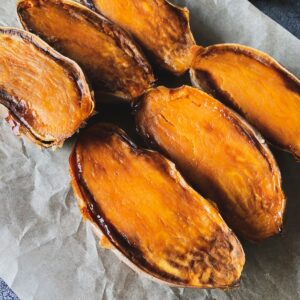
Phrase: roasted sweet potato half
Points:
(161, 28)
(219, 153)
(265, 93)
(46, 94)
(153, 219)
(107, 54)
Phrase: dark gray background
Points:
(285, 12)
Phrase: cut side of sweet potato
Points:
(219, 153)
(252, 82)
(46, 94)
(160, 27)
(107, 54)
(154, 220)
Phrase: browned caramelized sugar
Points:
(148, 212)
(106, 53)
(46, 94)
(219, 153)
(160, 27)
(265, 93)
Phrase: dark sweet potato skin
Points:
(107, 54)
(257, 86)
(160, 27)
(219, 153)
(46, 94)
(149, 214)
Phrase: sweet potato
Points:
(107, 54)
(153, 219)
(161, 28)
(46, 94)
(265, 93)
(219, 153)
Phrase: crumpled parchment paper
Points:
(48, 252)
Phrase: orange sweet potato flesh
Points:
(161, 28)
(219, 153)
(149, 214)
(257, 86)
(46, 94)
(107, 54)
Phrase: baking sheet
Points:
(47, 252)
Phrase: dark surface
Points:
(285, 12)
(6, 293)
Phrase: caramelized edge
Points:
(123, 39)
(87, 205)
(244, 129)
(71, 67)
(184, 15)
(203, 80)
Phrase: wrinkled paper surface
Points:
(48, 252)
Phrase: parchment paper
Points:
(47, 252)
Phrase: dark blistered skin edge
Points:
(243, 128)
(123, 39)
(119, 242)
(182, 13)
(204, 80)
(73, 72)
(97, 217)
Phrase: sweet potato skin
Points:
(61, 101)
(149, 214)
(161, 28)
(107, 54)
(257, 86)
(219, 153)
